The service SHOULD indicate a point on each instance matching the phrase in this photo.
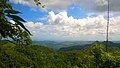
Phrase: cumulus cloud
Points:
(61, 26)
(54, 4)
(33, 25)
(24, 2)
(93, 5)
(85, 23)
(43, 19)
(101, 5)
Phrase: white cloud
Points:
(62, 27)
(43, 18)
(90, 5)
(57, 4)
(36, 25)
(101, 5)
(24, 2)
(85, 23)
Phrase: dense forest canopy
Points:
(37, 56)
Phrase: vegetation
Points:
(112, 46)
(35, 56)
(15, 31)
(38, 2)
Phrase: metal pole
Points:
(107, 35)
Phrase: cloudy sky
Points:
(70, 20)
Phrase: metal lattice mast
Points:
(108, 16)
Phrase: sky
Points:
(70, 20)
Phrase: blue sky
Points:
(70, 20)
(28, 14)
(31, 14)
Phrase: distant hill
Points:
(83, 47)
(71, 45)
(59, 44)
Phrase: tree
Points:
(39, 3)
(16, 31)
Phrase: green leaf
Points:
(38, 3)
(16, 18)
(21, 24)
(8, 5)
(2, 16)
(11, 36)
(43, 6)
(2, 33)
(12, 11)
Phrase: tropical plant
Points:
(16, 31)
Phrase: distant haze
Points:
(60, 44)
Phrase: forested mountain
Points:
(19, 52)
(59, 44)
(111, 45)
(34, 56)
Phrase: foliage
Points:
(13, 56)
(38, 2)
(34, 56)
(17, 30)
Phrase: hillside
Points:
(111, 45)
(59, 44)
(34, 56)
